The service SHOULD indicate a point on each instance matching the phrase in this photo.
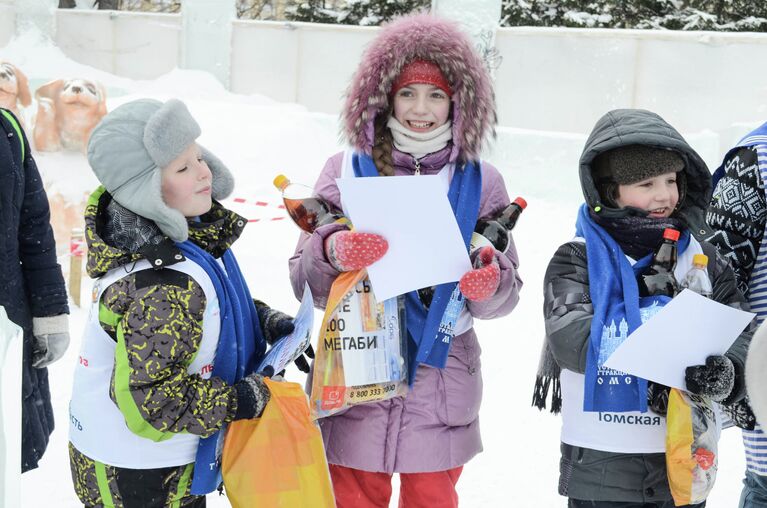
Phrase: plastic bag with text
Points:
(362, 348)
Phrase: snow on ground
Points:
(259, 138)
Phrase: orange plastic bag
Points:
(279, 459)
(692, 434)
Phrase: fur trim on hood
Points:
(426, 37)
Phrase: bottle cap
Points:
(281, 181)
(671, 234)
(521, 202)
(700, 259)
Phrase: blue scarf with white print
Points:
(618, 311)
(240, 348)
(431, 332)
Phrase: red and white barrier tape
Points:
(263, 204)
(77, 247)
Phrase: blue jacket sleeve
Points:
(37, 249)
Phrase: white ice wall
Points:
(7, 21)
(564, 79)
(307, 63)
(551, 79)
(130, 44)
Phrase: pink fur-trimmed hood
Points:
(427, 37)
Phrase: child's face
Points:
(421, 107)
(657, 195)
(187, 183)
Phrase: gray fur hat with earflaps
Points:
(130, 146)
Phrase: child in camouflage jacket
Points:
(170, 344)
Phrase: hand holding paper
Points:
(293, 346)
(688, 330)
(353, 250)
(414, 215)
(713, 380)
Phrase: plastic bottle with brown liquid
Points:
(307, 210)
(495, 230)
(658, 278)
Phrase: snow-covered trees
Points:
(354, 12)
(722, 15)
(725, 15)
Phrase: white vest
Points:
(97, 428)
(628, 432)
(465, 319)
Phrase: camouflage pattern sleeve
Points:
(157, 325)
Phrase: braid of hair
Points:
(382, 147)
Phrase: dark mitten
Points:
(740, 414)
(714, 380)
(302, 363)
(657, 398)
(274, 324)
(252, 396)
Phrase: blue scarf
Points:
(240, 348)
(430, 332)
(618, 311)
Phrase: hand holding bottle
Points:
(352, 250)
(495, 230)
(482, 281)
(307, 210)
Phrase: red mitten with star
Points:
(350, 250)
(482, 282)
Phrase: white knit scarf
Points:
(419, 144)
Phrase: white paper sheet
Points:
(683, 333)
(291, 347)
(414, 215)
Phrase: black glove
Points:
(657, 398)
(740, 414)
(276, 325)
(252, 397)
(714, 380)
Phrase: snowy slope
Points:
(259, 138)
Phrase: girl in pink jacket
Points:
(420, 102)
